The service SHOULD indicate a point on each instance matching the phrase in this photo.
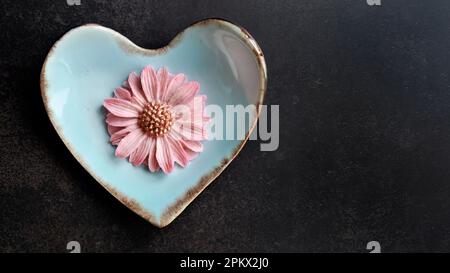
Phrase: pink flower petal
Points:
(112, 129)
(171, 76)
(190, 131)
(164, 155)
(163, 79)
(136, 101)
(186, 92)
(191, 148)
(149, 82)
(120, 122)
(129, 143)
(190, 154)
(195, 146)
(153, 165)
(139, 155)
(120, 134)
(136, 89)
(197, 106)
(196, 113)
(121, 108)
(122, 93)
(173, 86)
(177, 151)
(192, 145)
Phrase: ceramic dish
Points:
(88, 62)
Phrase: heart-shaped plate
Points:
(88, 62)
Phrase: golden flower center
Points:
(156, 119)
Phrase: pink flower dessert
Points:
(157, 119)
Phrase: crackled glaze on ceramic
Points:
(84, 67)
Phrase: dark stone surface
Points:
(364, 152)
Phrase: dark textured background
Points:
(364, 144)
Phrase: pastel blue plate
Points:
(88, 62)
